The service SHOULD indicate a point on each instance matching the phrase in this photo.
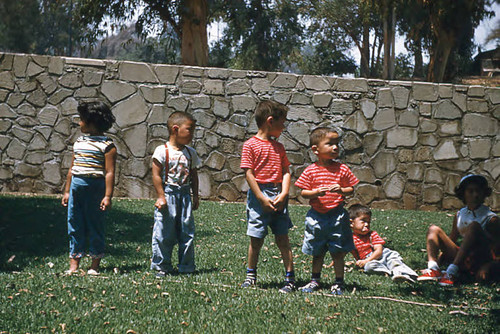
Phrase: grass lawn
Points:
(35, 297)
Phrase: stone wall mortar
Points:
(408, 142)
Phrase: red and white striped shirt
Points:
(364, 243)
(316, 176)
(267, 159)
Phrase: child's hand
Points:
(279, 202)
(267, 204)
(361, 263)
(321, 191)
(196, 202)
(336, 188)
(161, 203)
(105, 203)
(65, 199)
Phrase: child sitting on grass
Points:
(267, 173)
(325, 183)
(174, 177)
(370, 253)
(479, 227)
(89, 185)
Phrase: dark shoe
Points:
(337, 289)
(249, 282)
(160, 274)
(288, 287)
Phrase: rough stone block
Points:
(7, 112)
(7, 81)
(357, 123)
(48, 115)
(179, 103)
(63, 127)
(261, 85)
(495, 150)
(191, 87)
(408, 118)
(384, 119)
(243, 103)
(69, 106)
(56, 65)
(227, 129)
(371, 142)
(282, 97)
(341, 107)
(192, 71)
(228, 192)
(37, 98)
(218, 73)
(447, 110)
(351, 85)
(167, 74)
(384, 163)
(39, 142)
(433, 176)
(20, 65)
(432, 194)
(423, 91)
(5, 125)
(136, 72)
(493, 94)
(205, 189)
(288, 143)
(200, 102)
(321, 100)
(364, 174)
(491, 166)
(308, 114)
(59, 96)
(446, 151)
(460, 100)
(137, 167)
(6, 61)
(70, 80)
(92, 78)
(300, 132)
(57, 143)
(384, 98)
(153, 94)
(6, 173)
(351, 141)
(131, 111)
(214, 87)
(51, 172)
(301, 98)
(240, 120)
(22, 134)
(476, 105)
(366, 193)
(15, 99)
(24, 169)
(215, 160)
(285, 81)
(135, 188)
(428, 139)
(479, 125)
(455, 166)
(313, 82)
(452, 203)
(400, 96)
(401, 137)
(415, 172)
(116, 90)
(394, 186)
(476, 91)
(450, 128)
(221, 108)
(134, 138)
(427, 126)
(86, 92)
(33, 69)
(238, 86)
(425, 109)
(203, 119)
(48, 84)
(445, 91)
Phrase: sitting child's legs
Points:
(438, 240)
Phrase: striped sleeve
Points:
(304, 181)
(348, 179)
(376, 239)
(247, 157)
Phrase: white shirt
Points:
(179, 163)
(465, 217)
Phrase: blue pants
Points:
(174, 225)
(85, 218)
(390, 263)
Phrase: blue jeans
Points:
(85, 218)
(174, 225)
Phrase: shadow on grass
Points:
(36, 227)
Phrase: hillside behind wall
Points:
(408, 142)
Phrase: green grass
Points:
(36, 298)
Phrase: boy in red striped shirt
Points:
(370, 253)
(325, 183)
(267, 173)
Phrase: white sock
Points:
(432, 265)
(452, 270)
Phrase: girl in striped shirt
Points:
(89, 185)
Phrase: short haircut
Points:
(96, 113)
(479, 180)
(320, 133)
(268, 108)
(178, 118)
(357, 210)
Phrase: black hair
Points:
(96, 113)
(268, 108)
(357, 210)
(479, 180)
(320, 133)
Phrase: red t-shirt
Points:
(316, 176)
(267, 159)
(364, 243)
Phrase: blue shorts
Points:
(258, 220)
(329, 231)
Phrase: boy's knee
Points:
(282, 241)
(434, 230)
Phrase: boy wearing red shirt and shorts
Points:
(267, 173)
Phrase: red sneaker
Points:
(430, 275)
(447, 280)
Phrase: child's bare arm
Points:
(313, 193)
(109, 177)
(65, 198)
(266, 202)
(194, 187)
(280, 200)
(341, 190)
(454, 230)
(376, 254)
(156, 170)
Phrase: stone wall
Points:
(408, 142)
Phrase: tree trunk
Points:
(392, 63)
(194, 44)
(387, 42)
(440, 55)
(365, 50)
(418, 70)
